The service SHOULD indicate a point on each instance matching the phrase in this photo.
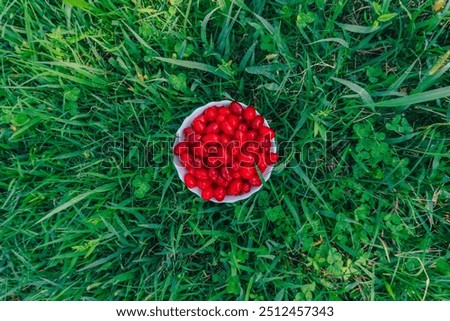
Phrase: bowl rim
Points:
(181, 170)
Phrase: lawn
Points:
(92, 93)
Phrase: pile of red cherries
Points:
(222, 150)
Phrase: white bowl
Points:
(181, 170)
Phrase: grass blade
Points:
(396, 85)
(366, 98)
(266, 24)
(77, 199)
(416, 98)
(340, 41)
(268, 71)
(431, 79)
(308, 182)
(204, 25)
(357, 29)
(195, 65)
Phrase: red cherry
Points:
(245, 160)
(199, 126)
(202, 183)
(226, 128)
(188, 131)
(225, 172)
(260, 138)
(251, 135)
(239, 136)
(207, 193)
(251, 147)
(210, 138)
(221, 153)
(267, 132)
(233, 148)
(246, 188)
(198, 149)
(194, 137)
(220, 181)
(210, 113)
(210, 149)
(255, 181)
(225, 157)
(233, 120)
(235, 166)
(249, 113)
(219, 193)
(189, 180)
(180, 148)
(189, 168)
(257, 122)
(235, 187)
(265, 143)
(235, 174)
(212, 128)
(249, 157)
(201, 118)
(213, 174)
(236, 108)
(186, 159)
(201, 173)
(197, 162)
(247, 172)
(224, 141)
(220, 118)
(214, 162)
(223, 111)
(243, 127)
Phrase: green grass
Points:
(91, 94)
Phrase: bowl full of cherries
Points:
(224, 151)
